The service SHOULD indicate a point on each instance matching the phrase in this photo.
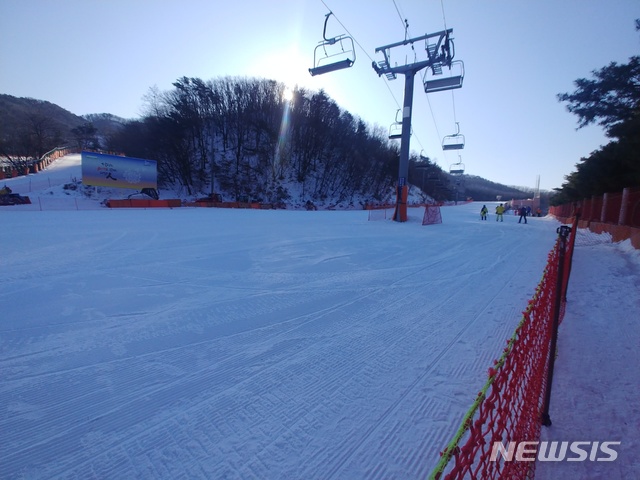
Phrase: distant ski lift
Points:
(436, 80)
(395, 130)
(456, 168)
(339, 52)
(453, 142)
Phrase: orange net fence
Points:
(619, 208)
(511, 405)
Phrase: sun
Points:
(287, 94)
(289, 67)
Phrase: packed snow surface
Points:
(214, 343)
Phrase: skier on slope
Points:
(483, 212)
(523, 214)
(500, 213)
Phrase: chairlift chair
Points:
(395, 130)
(436, 80)
(456, 168)
(453, 142)
(334, 58)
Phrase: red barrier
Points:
(620, 208)
(432, 215)
(615, 213)
(144, 203)
(510, 406)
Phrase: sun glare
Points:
(287, 94)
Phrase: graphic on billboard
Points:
(103, 170)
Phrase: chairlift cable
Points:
(435, 124)
(360, 46)
(444, 20)
(407, 34)
(433, 117)
(370, 58)
(453, 101)
(405, 23)
(424, 75)
(347, 30)
(453, 98)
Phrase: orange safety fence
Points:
(144, 203)
(619, 208)
(26, 167)
(513, 403)
(617, 214)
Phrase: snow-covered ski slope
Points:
(210, 343)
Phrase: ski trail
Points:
(351, 450)
(334, 354)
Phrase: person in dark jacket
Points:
(483, 212)
(523, 214)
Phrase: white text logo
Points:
(555, 451)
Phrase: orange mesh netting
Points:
(509, 407)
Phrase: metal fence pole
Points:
(563, 233)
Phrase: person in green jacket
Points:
(499, 212)
(483, 212)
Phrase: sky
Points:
(104, 57)
(304, 345)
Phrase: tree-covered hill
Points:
(482, 189)
(30, 127)
(244, 139)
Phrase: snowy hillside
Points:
(212, 343)
(59, 187)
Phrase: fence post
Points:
(592, 200)
(570, 248)
(624, 206)
(603, 210)
(563, 233)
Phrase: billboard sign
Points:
(105, 170)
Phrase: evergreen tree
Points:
(611, 98)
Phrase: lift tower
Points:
(440, 54)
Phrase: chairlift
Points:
(456, 168)
(455, 141)
(395, 130)
(436, 80)
(334, 58)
